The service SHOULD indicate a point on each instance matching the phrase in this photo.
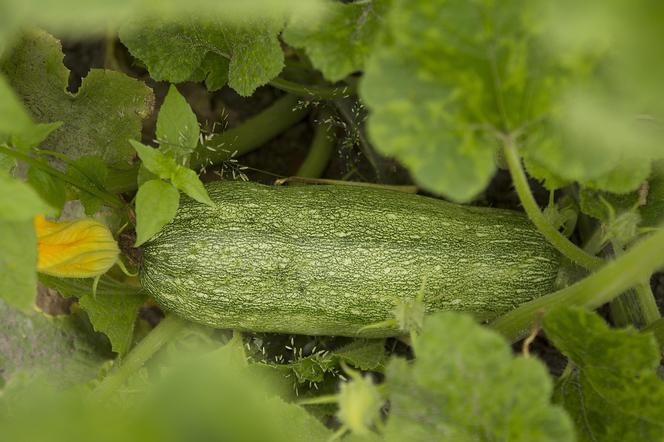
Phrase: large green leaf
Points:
(614, 392)
(465, 385)
(608, 116)
(175, 51)
(52, 346)
(98, 120)
(340, 40)
(446, 79)
(177, 126)
(112, 311)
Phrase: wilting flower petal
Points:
(82, 248)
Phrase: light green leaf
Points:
(465, 385)
(444, 80)
(156, 204)
(51, 189)
(55, 347)
(608, 119)
(34, 135)
(166, 168)
(18, 201)
(13, 116)
(114, 316)
(174, 51)
(18, 263)
(340, 40)
(187, 181)
(177, 126)
(614, 393)
(106, 111)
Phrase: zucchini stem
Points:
(557, 239)
(626, 271)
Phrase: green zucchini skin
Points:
(330, 260)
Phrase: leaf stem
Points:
(628, 270)
(144, 350)
(107, 197)
(560, 242)
(320, 150)
(312, 92)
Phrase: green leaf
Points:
(177, 126)
(34, 135)
(156, 204)
(174, 51)
(608, 114)
(18, 201)
(591, 203)
(107, 110)
(364, 354)
(53, 346)
(340, 40)
(445, 78)
(113, 311)
(166, 168)
(465, 385)
(13, 116)
(214, 70)
(18, 263)
(51, 189)
(614, 393)
(114, 316)
(93, 171)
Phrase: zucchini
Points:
(330, 260)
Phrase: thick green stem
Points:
(144, 350)
(312, 92)
(557, 239)
(250, 135)
(657, 328)
(321, 149)
(630, 269)
(107, 197)
(635, 307)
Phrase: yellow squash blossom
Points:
(82, 248)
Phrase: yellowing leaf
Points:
(82, 248)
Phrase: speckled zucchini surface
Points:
(329, 260)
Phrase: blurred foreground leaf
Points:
(466, 385)
(52, 347)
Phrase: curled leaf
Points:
(82, 248)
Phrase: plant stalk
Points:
(628, 270)
(321, 148)
(557, 239)
(139, 355)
